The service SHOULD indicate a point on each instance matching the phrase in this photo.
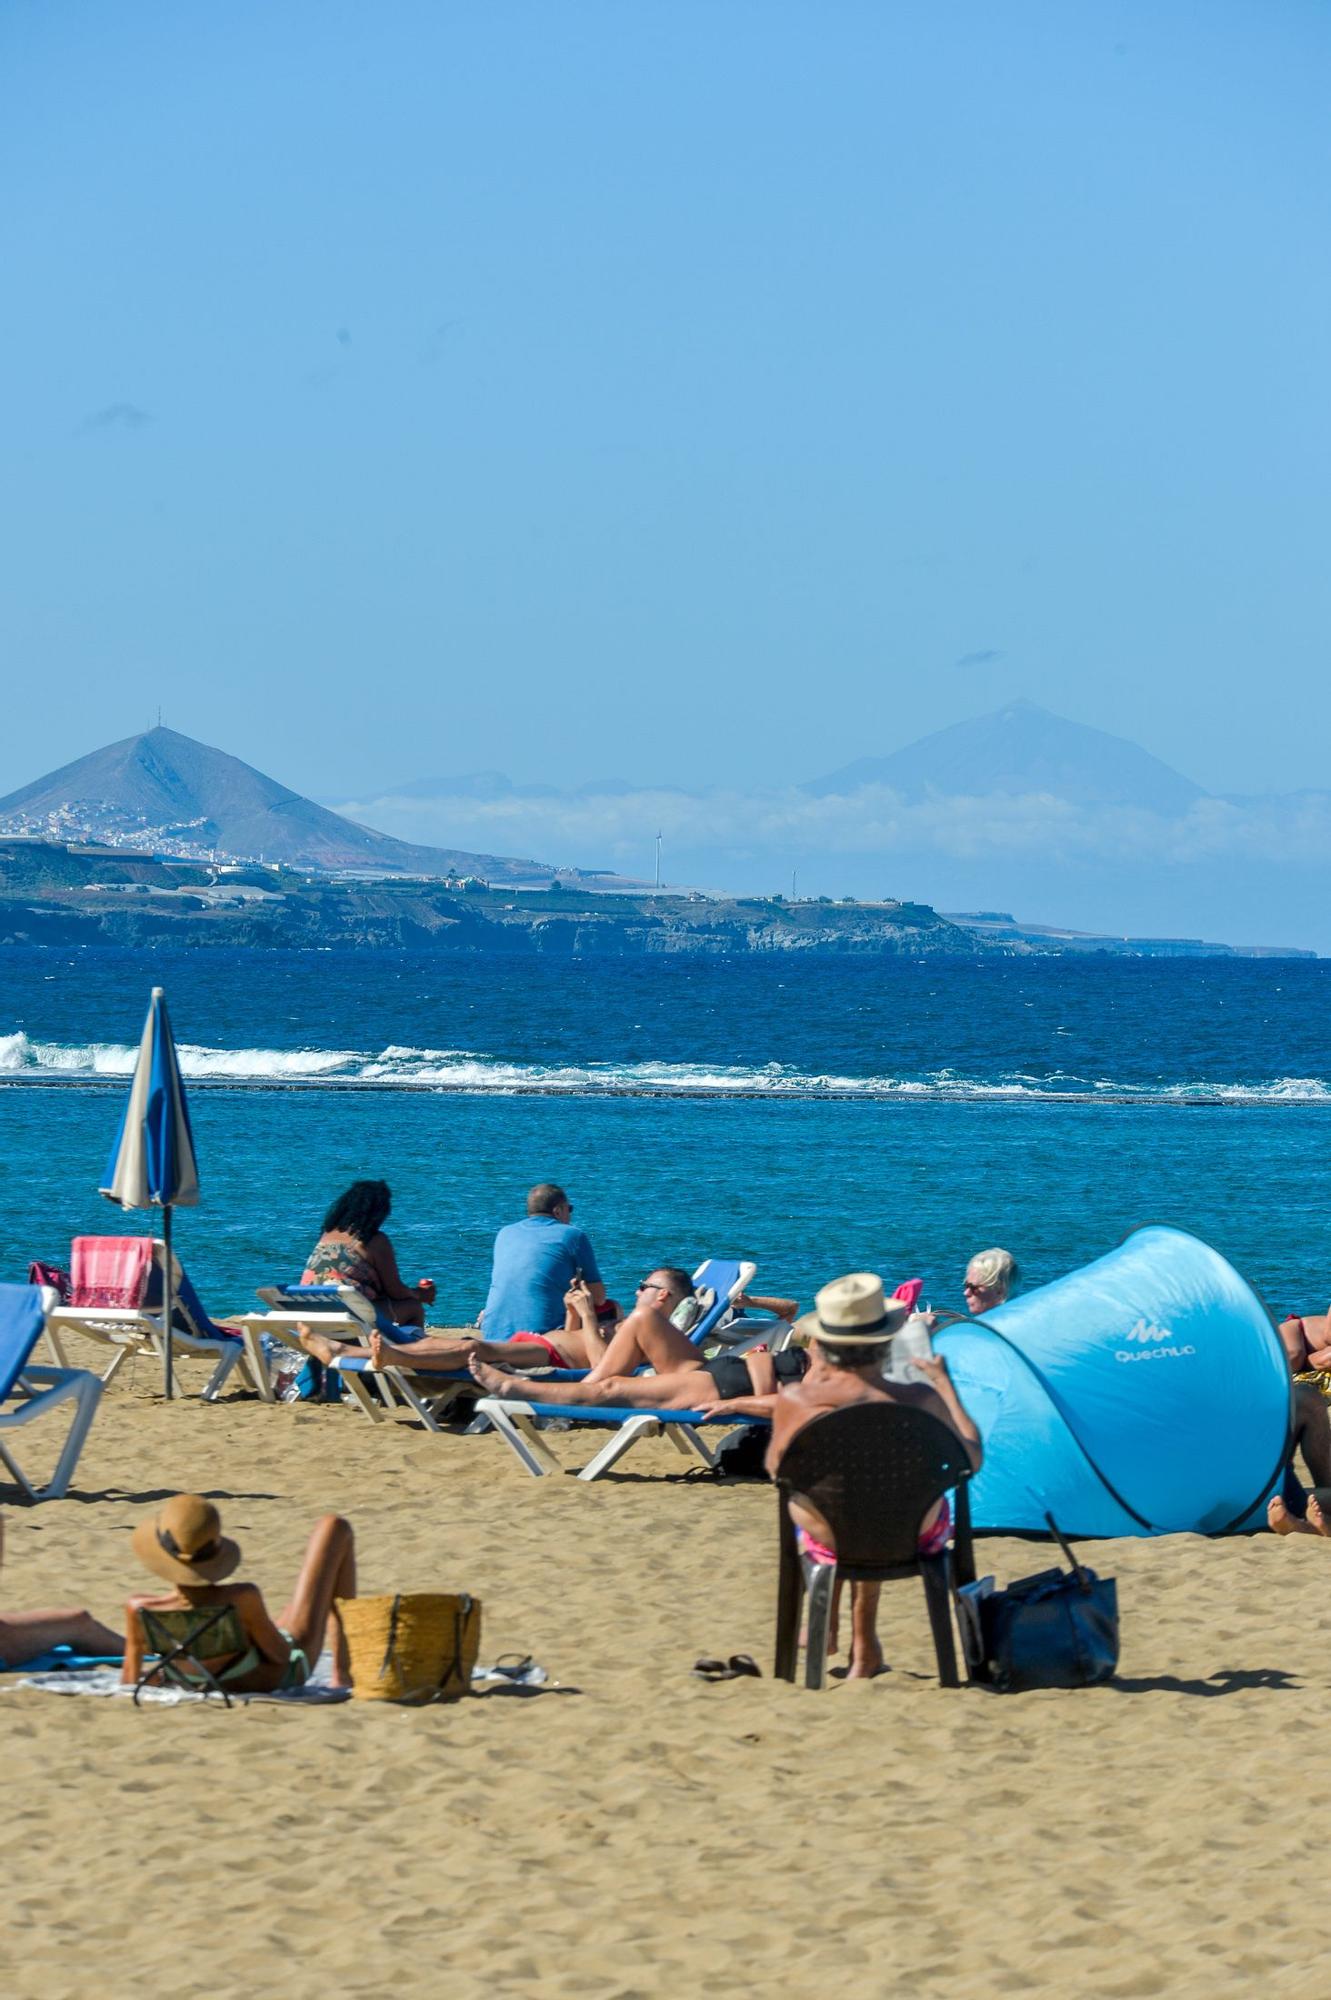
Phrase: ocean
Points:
(817, 1115)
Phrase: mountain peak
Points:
(1017, 750)
(163, 790)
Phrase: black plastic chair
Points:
(873, 1471)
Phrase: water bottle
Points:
(909, 1346)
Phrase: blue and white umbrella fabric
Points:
(152, 1163)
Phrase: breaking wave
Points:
(24, 1059)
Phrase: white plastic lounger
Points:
(516, 1424)
(29, 1391)
(341, 1313)
(136, 1327)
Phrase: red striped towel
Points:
(110, 1270)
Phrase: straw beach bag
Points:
(413, 1647)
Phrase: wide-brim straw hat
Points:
(853, 1312)
(183, 1541)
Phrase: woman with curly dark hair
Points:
(353, 1250)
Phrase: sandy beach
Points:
(637, 1832)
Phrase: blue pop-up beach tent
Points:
(1145, 1394)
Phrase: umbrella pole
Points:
(169, 1303)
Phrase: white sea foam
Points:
(28, 1059)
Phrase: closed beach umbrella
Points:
(152, 1163)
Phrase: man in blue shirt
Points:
(535, 1262)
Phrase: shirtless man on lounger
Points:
(648, 1338)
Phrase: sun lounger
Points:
(340, 1312)
(117, 1298)
(30, 1391)
(343, 1313)
(516, 1423)
(724, 1278)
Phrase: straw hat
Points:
(852, 1312)
(184, 1542)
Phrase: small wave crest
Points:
(28, 1059)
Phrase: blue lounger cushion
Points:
(610, 1413)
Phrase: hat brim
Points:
(153, 1556)
(809, 1327)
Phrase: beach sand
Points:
(649, 1834)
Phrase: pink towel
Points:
(110, 1270)
(909, 1293)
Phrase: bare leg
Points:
(328, 1571)
(449, 1353)
(647, 1338)
(26, 1634)
(866, 1655)
(321, 1348)
(1312, 1431)
(681, 1389)
(437, 1352)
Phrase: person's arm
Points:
(934, 1370)
(259, 1627)
(380, 1253)
(591, 1270)
(581, 1318)
(779, 1308)
(791, 1414)
(745, 1406)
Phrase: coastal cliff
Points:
(62, 896)
(71, 896)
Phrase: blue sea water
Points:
(816, 1115)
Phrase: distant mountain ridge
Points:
(1019, 750)
(162, 789)
(1016, 750)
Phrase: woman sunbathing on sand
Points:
(184, 1543)
(26, 1635)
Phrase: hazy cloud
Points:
(607, 829)
(344, 336)
(116, 416)
(984, 658)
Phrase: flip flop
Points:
(738, 1667)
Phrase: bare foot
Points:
(493, 1380)
(381, 1354)
(318, 1345)
(1318, 1520)
(1279, 1518)
(865, 1662)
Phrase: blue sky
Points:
(665, 391)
